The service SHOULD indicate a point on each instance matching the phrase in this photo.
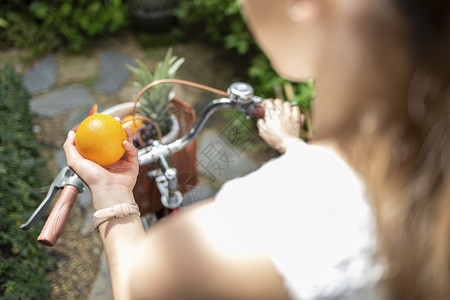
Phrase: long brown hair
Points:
(402, 149)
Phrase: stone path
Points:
(113, 73)
(42, 77)
(70, 88)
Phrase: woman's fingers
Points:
(269, 112)
(70, 149)
(296, 115)
(127, 128)
(132, 153)
(274, 108)
(287, 106)
(278, 104)
(283, 110)
(261, 124)
(75, 161)
(70, 138)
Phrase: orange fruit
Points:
(99, 138)
(129, 120)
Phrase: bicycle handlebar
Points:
(259, 111)
(240, 97)
(153, 152)
(59, 216)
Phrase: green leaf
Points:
(175, 66)
(3, 23)
(39, 9)
(146, 73)
(65, 9)
(94, 8)
(116, 2)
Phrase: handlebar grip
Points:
(259, 111)
(59, 216)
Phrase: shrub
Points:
(23, 261)
(20, 30)
(222, 23)
(72, 24)
(78, 21)
(217, 21)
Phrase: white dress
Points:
(308, 210)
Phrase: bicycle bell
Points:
(240, 92)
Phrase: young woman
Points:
(362, 212)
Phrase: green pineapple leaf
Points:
(154, 101)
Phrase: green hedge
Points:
(43, 26)
(23, 261)
(221, 22)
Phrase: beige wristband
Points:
(115, 211)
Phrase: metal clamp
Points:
(167, 183)
(170, 197)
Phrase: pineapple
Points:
(153, 103)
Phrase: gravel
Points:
(77, 259)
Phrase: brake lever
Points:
(65, 177)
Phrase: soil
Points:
(77, 260)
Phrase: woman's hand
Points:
(115, 180)
(281, 124)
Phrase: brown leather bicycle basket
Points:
(146, 192)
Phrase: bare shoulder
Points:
(194, 254)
